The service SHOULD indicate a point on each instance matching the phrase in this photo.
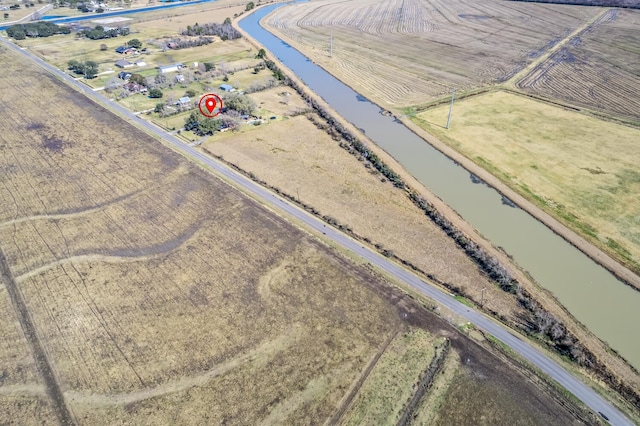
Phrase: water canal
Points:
(592, 294)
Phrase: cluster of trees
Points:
(235, 105)
(277, 72)
(178, 43)
(250, 6)
(225, 30)
(99, 33)
(135, 43)
(258, 86)
(202, 126)
(89, 68)
(35, 29)
(259, 67)
(240, 103)
(155, 93)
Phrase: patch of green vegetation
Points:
(464, 301)
(499, 344)
(485, 164)
(615, 246)
(409, 111)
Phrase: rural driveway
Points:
(583, 392)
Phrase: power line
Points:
(453, 95)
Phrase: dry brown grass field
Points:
(400, 53)
(599, 69)
(296, 157)
(565, 162)
(173, 20)
(23, 395)
(157, 292)
(151, 292)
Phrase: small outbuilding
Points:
(227, 87)
(170, 68)
(123, 63)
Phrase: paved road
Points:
(533, 355)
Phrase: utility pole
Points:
(453, 95)
(331, 45)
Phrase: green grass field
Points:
(582, 170)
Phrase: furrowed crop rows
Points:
(407, 52)
(599, 69)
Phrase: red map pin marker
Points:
(210, 105)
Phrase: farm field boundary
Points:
(527, 198)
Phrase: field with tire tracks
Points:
(407, 52)
(599, 69)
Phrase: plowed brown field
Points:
(408, 52)
(598, 69)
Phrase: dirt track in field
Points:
(44, 367)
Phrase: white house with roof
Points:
(123, 63)
(183, 101)
(166, 69)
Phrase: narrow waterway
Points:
(63, 19)
(593, 295)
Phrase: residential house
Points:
(184, 101)
(124, 75)
(123, 63)
(124, 50)
(180, 78)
